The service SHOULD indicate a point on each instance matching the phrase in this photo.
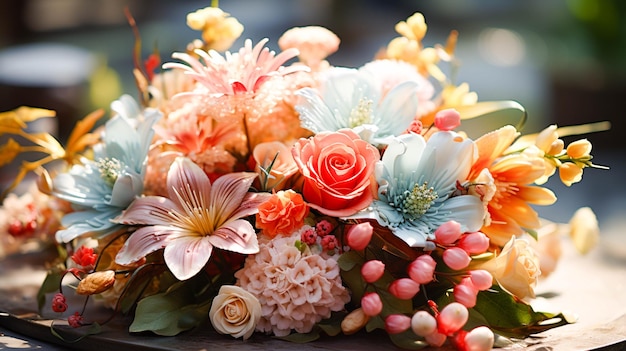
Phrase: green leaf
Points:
(332, 326)
(408, 340)
(348, 260)
(301, 338)
(136, 285)
(171, 312)
(93, 329)
(512, 317)
(51, 284)
(374, 323)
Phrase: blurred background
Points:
(564, 61)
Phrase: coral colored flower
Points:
(314, 43)
(417, 184)
(235, 73)
(352, 99)
(323, 227)
(337, 169)
(84, 256)
(196, 217)
(282, 213)
(509, 209)
(235, 312)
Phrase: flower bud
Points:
(359, 236)
(570, 173)
(435, 339)
(404, 288)
(452, 318)
(546, 137)
(96, 283)
(447, 119)
(579, 149)
(422, 269)
(372, 270)
(481, 279)
(474, 243)
(354, 321)
(456, 258)
(556, 147)
(397, 323)
(584, 230)
(448, 232)
(479, 339)
(371, 304)
(465, 293)
(423, 323)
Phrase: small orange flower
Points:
(282, 213)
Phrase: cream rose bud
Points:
(235, 312)
(584, 229)
(516, 268)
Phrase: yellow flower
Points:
(219, 30)
(570, 173)
(516, 268)
(579, 149)
(414, 28)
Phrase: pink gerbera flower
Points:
(194, 218)
(234, 73)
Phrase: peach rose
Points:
(338, 170)
(282, 213)
(282, 167)
(516, 268)
(235, 312)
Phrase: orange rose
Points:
(282, 213)
(337, 169)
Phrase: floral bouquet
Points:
(279, 194)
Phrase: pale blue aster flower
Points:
(352, 98)
(417, 184)
(101, 188)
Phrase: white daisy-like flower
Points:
(352, 98)
(417, 183)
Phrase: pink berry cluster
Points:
(321, 234)
(457, 250)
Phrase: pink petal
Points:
(185, 256)
(229, 192)
(237, 236)
(142, 242)
(187, 184)
(250, 205)
(148, 210)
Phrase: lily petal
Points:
(144, 241)
(229, 192)
(185, 256)
(237, 236)
(187, 184)
(148, 210)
